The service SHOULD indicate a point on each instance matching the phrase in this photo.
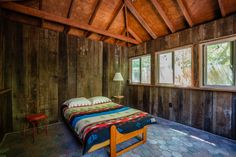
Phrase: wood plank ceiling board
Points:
(148, 12)
(82, 11)
(104, 16)
(174, 13)
(117, 26)
(199, 15)
(137, 27)
(227, 7)
(56, 7)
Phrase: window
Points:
(141, 70)
(175, 67)
(219, 64)
(166, 68)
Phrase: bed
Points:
(104, 124)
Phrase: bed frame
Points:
(117, 138)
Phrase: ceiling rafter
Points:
(58, 19)
(126, 22)
(115, 14)
(163, 15)
(134, 35)
(185, 12)
(140, 19)
(93, 15)
(68, 28)
(222, 9)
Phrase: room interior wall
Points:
(40, 69)
(209, 110)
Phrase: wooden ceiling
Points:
(121, 22)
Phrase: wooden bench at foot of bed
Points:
(117, 138)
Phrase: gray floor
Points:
(165, 139)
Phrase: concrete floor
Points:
(165, 139)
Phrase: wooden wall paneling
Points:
(140, 98)
(223, 113)
(18, 72)
(53, 65)
(186, 107)
(185, 37)
(154, 109)
(31, 51)
(233, 124)
(72, 66)
(195, 66)
(209, 30)
(2, 55)
(166, 99)
(197, 34)
(179, 105)
(146, 99)
(173, 105)
(62, 72)
(124, 63)
(197, 109)
(105, 79)
(98, 63)
(174, 40)
(160, 110)
(225, 26)
(81, 66)
(208, 111)
(6, 113)
(44, 78)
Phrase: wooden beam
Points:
(54, 18)
(134, 35)
(162, 13)
(140, 19)
(222, 9)
(115, 13)
(93, 15)
(185, 12)
(67, 28)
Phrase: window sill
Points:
(192, 88)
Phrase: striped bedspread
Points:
(92, 123)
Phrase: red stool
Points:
(34, 119)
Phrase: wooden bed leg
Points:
(145, 134)
(113, 141)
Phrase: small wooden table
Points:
(118, 97)
(34, 119)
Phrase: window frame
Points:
(157, 67)
(202, 64)
(140, 70)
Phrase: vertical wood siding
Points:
(44, 68)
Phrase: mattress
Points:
(92, 123)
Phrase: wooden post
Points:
(113, 141)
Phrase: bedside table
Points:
(117, 98)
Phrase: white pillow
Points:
(99, 100)
(74, 102)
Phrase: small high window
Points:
(141, 69)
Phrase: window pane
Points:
(165, 70)
(136, 70)
(183, 67)
(219, 69)
(146, 69)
